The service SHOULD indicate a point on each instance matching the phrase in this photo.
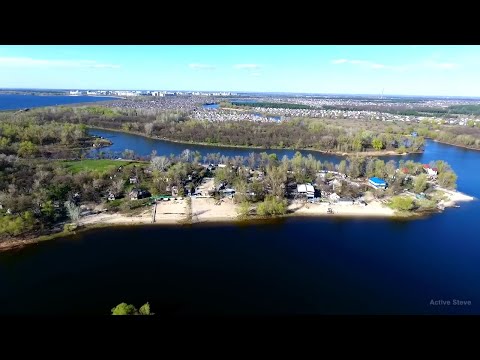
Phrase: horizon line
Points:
(245, 92)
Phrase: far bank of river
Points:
(188, 145)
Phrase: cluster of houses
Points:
(195, 186)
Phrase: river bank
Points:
(328, 152)
(209, 210)
(456, 145)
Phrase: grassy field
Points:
(98, 166)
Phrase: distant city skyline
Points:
(394, 70)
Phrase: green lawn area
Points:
(99, 166)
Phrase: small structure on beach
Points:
(306, 189)
(377, 183)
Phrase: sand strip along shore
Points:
(373, 209)
(211, 210)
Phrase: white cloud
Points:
(247, 66)
(201, 66)
(426, 65)
(30, 62)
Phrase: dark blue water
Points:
(14, 102)
(288, 266)
(144, 146)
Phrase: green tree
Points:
(447, 179)
(377, 143)
(276, 179)
(48, 211)
(370, 168)
(442, 166)
(272, 206)
(402, 203)
(390, 168)
(420, 183)
(27, 149)
(145, 309)
(355, 166)
(243, 209)
(380, 168)
(126, 309)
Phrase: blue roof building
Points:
(377, 183)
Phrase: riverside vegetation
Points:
(40, 196)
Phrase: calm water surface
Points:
(288, 266)
(15, 101)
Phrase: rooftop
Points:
(377, 180)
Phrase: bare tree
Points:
(251, 160)
(148, 129)
(128, 154)
(72, 210)
(117, 187)
(186, 155)
(159, 163)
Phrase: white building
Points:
(306, 189)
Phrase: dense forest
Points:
(297, 133)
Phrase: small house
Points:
(137, 194)
(133, 180)
(306, 189)
(377, 183)
(111, 196)
(430, 171)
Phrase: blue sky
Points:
(399, 70)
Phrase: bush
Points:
(402, 203)
(272, 206)
(15, 225)
(134, 204)
(426, 205)
(114, 205)
(243, 209)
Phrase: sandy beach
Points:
(167, 212)
(204, 210)
(211, 210)
(454, 197)
(373, 209)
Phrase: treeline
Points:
(468, 136)
(410, 111)
(27, 136)
(464, 109)
(273, 105)
(297, 134)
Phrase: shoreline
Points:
(206, 213)
(336, 153)
(460, 146)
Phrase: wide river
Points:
(288, 266)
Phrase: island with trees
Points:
(49, 188)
